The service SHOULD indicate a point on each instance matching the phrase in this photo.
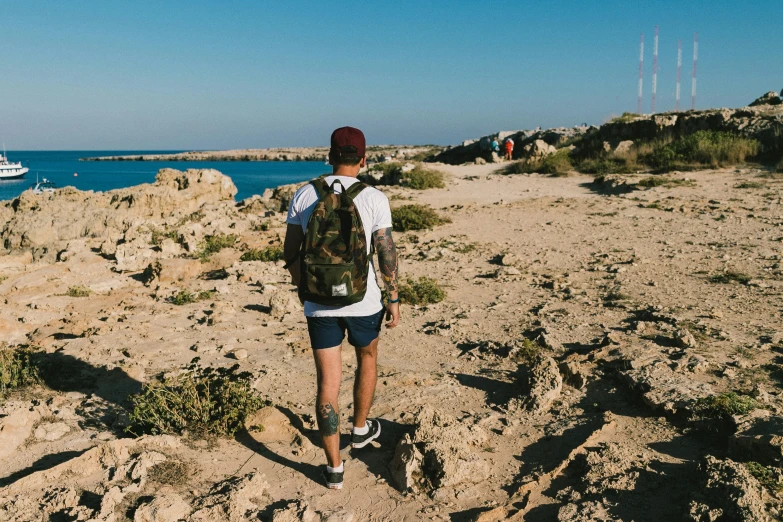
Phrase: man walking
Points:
(333, 223)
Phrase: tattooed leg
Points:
(328, 420)
(328, 364)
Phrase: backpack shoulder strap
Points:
(321, 186)
(355, 189)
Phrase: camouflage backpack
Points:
(334, 259)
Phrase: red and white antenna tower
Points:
(679, 75)
(655, 70)
(641, 71)
(693, 78)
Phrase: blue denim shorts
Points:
(328, 332)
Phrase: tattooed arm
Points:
(387, 259)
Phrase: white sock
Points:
(338, 469)
(363, 430)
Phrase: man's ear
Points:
(363, 162)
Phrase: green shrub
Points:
(557, 164)
(527, 351)
(750, 185)
(184, 297)
(731, 276)
(17, 370)
(421, 292)
(767, 476)
(702, 148)
(625, 118)
(270, 253)
(607, 165)
(779, 168)
(214, 244)
(421, 178)
(724, 405)
(201, 401)
(158, 236)
(79, 291)
(658, 181)
(415, 217)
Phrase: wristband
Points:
(392, 301)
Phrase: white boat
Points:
(10, 170)
(44, 185)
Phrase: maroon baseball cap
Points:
(347, 142)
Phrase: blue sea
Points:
(60, 166)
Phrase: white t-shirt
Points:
(373, 207)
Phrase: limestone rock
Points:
(165, 508)
(282, 303)
(297, 511)
(758, 439)
(232, 500)
(441, 453)
(480, 161)
(623, 147)
(172, 270)
(405, 467)
(544, 383)
(538, 149)
(660, 386)
(729, 488)
(50, 431)
(613, 184)
(16, 425)
(45, 224)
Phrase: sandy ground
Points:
(588, 269)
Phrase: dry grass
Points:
(17, 370)
(423, 291)
(270, 253)
(201, 401)
(78, 291)
(415, 217)
(557, 164)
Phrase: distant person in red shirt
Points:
(509, 148)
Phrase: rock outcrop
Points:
(119, 220)
(771, 98)
(442, 453)
(527, 143)
(728, 492)
(761, 120)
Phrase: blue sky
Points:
(147, 74)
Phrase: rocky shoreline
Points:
(375, 153)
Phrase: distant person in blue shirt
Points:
(495, 145)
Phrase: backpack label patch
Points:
(339, 290)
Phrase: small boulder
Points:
(441, 453)
(623, 147)
(165, 508)
(544, 384)
(728, 488)
(480, 161)
(759, 439)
